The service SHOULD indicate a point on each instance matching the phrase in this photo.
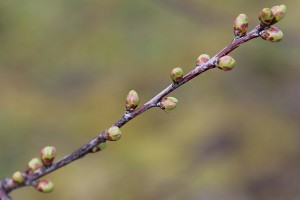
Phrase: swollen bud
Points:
(203, 58)
(266, 16)
(273, 34)
(279, 12)
(113, 133)
(18, 177)
(240, 25)
(177, 74)
(168, 103)
(226, 63)
(48, 154)
(44, 186)
(132, 100)
(33, 165)
(100, 147)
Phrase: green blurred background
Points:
(67, 65)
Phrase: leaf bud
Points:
(266, 16)
(33, 165)
(176, 74)
(113, 133)
(240, 25)
(273, 34)
(100, 147)
(45, 186)
(226, 63)
(48, 154)
(132, 100)
(279, 12)
(18, 177)
(203, 58)
(168, 103)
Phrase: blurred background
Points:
(66, 67)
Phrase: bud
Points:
(132, 100)
(279, 12)
(226, 63)
(100, 147)
(44, 186)
(33, 165)
(18, 177)
(273, 34)
(240, 25)
(266, 16)
(176, 74)
(48, 154)
(113, 133)
(168, 103)
(203, 58)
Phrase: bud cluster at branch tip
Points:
(113, 133)
(176, 74)
(33, 165)
(45, 186)
(240, 25)
(271, 16)
(100, 147)
(273, 34)
(18, 177)
(132, 100)
(48, 154)
(226, 63)
(168, 103)
(203, 58)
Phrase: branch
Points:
(37, 168)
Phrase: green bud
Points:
(168, 103)
(132, 100)
(273, 34)
(226, 63)
(279, 12)
(266, 16)
(177, 74)
(100, 147)
(33, 165)
(18, 177)
(203, 58)
(240, 25)
(44, 186)
(48, 154)
(113, 133)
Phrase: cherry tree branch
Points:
(85, 149)
(32, 178)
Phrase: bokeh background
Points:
(67, 65)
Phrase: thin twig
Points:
(7, 186)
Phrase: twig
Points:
(7, 185)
